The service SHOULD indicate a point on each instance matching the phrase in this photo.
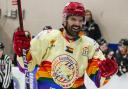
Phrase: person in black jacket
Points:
(122, 57)
(6, 81)
(91, 28)
(108, 53)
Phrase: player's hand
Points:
(21, 40)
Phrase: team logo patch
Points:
(85, 51)
(64, 71)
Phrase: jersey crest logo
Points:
(64, 71)
(85, 51)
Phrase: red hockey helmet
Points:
(74, 8)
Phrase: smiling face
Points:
(74, 25)
(104, 46)
(123, 49)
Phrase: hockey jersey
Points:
(63, 63)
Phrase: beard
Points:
(73, 30)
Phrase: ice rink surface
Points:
(115, 83)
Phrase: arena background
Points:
(111, 15)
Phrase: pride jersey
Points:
(63, 63)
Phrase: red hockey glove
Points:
(21, 40)
(108, 67)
